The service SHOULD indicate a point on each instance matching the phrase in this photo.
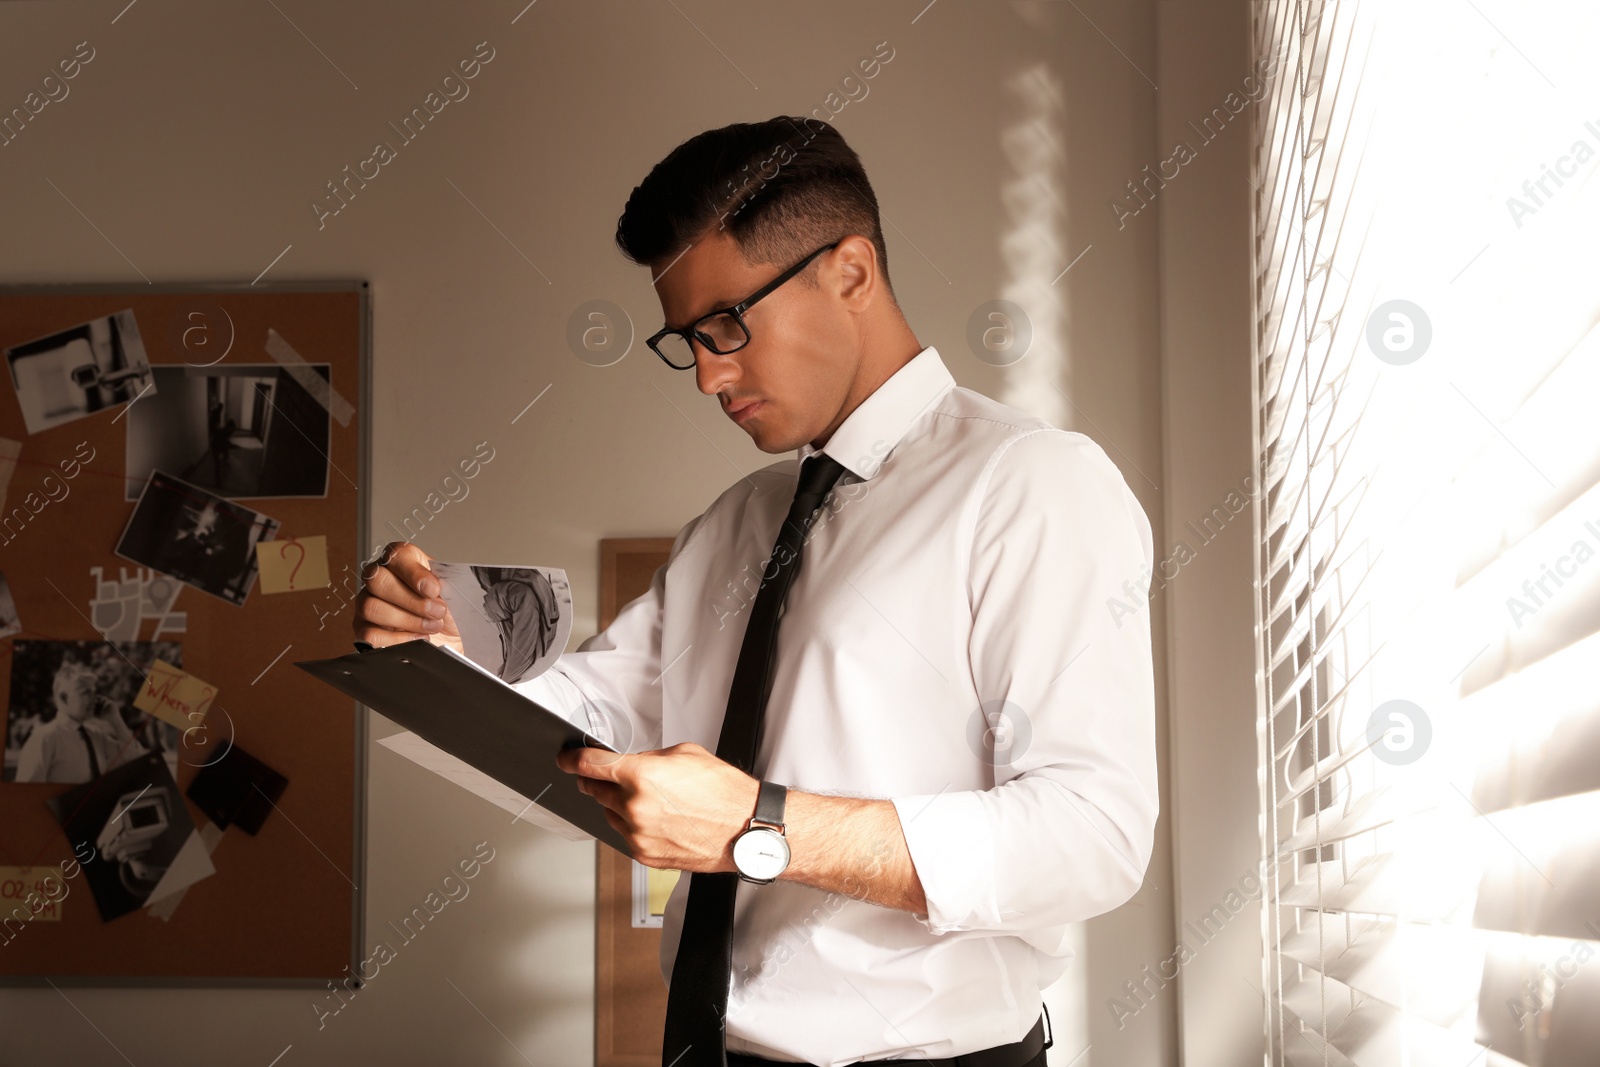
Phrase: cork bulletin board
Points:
(184, 512)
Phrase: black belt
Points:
(1016, 1054)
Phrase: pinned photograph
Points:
(10, 621)
(196, 537)
(76, 372)
(144, 844)
(72, 715)
(514, 621)
(246, 430)
(237, 789)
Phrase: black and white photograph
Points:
(135, 822)
(247, 430)
(10, 621)
(195, 536)
(514, 621)
(236, 789)
(71, 716)
(90, 367)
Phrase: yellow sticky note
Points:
(660, 883)
(174, 696)
(28, 893)
(293, 563)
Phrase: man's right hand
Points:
(400, 601)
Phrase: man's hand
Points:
(680, 808)
(400, 601)
(108, 718)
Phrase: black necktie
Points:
(697, 1002)
(88, 743)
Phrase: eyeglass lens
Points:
(722, 331)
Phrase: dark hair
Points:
(781, 188)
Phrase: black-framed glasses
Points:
(722, 331)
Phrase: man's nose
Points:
(711, 371)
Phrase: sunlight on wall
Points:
(1031, 247)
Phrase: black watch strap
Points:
(769, 803)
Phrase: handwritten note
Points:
(293, 563)
(174, 696)
(661, 884)
(31, 893)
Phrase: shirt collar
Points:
(870, 432)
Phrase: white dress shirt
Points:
(56, 752)
(958, 578)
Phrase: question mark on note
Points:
(283, 551)
(290, 564)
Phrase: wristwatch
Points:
(761, 852)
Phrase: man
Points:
(965, 734)
(222, 447)
(84, 739)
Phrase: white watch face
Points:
(761, 853)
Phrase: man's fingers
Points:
(604, 793)
(387, 587)
(598, 763)
(410, 564)
(407, 562)
(388, 616)
(592, 763)
(378, 559)
(378, 637)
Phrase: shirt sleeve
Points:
(1061, 657)
(611, 684)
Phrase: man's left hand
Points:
(680, 808)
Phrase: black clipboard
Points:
(457, 706)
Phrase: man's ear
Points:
(856, 264)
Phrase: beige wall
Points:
(191, 148)
(1205, 339)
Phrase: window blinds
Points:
(1426, 376)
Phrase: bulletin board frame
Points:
(329, 323)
